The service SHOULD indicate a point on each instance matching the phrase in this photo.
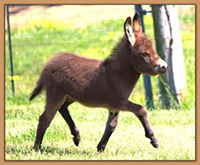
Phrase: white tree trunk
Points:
(169, 46)
(177, 53)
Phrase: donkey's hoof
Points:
(76, 140)
(100, 149)
(154, 144)
(36, 148)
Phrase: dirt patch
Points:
(76, 15)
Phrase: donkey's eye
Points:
(145, 54)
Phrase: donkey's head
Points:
(144, 57)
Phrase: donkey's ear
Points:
(129, 31)
(137, 28)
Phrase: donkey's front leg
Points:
(141, 113)
(110, 127)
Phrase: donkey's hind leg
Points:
(73, 128)
(110, 127)
(52, 105)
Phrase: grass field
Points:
(174, 129)
(34, 45)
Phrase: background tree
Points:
(169, 47)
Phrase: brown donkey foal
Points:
(99, 83)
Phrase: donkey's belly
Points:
(91, 98)
(92, 95)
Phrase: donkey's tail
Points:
(36, 91)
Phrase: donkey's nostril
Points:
(163, 67)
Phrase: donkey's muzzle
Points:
(161, 67)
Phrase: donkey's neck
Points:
(120, 62)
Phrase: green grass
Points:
(174, 129)
(33, 46)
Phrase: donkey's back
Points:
(73, 76)
(69, 68)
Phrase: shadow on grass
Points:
(47, 150)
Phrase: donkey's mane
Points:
(122, 47)
(118, 52)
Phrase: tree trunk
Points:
(167, 36)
